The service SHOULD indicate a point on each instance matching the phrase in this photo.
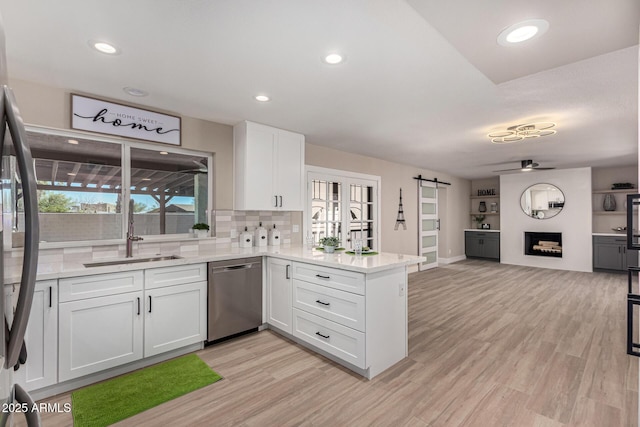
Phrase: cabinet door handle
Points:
(280, 201)
(322, 302)
(149, 303)
(138, 298)
(287, 272)
(50, 296)
(323, 336)
(276, 205)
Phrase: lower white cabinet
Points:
(334, 338)
(279, 281)
(100, 333)
(175, 316)
(149, 312)
(357, 319)
(41, 339)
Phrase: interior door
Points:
(429, 224)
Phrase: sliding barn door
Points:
(429, 223)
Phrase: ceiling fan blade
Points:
(508, 170)
(542, 169)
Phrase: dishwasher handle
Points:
(236, 267)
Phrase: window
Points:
(169, 191)
(84, 186)
(342, 204)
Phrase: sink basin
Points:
(131, 261)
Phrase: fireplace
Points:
(543, 244)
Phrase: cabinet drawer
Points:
(340, 341)
(341, 307)
(97, 285)
(332, 277)
(611, 240)
(177, 275)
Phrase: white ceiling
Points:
(418, 86)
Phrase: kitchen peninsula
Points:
(351, 309)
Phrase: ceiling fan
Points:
(526, 166)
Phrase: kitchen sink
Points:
(131, 261)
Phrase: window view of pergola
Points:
(80, 188)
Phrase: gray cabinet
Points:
(482, 244)
(611, 253)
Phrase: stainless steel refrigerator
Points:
(13, 143)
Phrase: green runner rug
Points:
(113, 400)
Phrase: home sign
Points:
(487, 192)
(95, 115)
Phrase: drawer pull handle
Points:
(323, 336)
(323, 277)
(322, 302)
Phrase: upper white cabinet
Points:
(268, 168)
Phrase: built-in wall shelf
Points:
(602, 180)
(624, 190)
(496, 196)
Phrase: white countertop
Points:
(620, 234)
(481, 230)
(364, 264)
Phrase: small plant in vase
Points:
(200, 230)
(478, 219)
(330, 244)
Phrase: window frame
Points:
(125, 146)
(346, 178)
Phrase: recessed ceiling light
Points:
(333, 58)
(135, 92)
(73, 141)
(164, 153)
(146, 179)
(262, 98)
(71, 174)
(522, 31)
(104, 47)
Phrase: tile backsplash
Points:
(225, 222)
(235, 221)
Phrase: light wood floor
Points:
(490, 345)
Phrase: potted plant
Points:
(330, 244)
(478, 219)
(200, 230)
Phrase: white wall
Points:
(453, 205)
(574, 222)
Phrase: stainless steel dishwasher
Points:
(235, 297)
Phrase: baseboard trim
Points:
(451, 260)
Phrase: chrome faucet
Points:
(130, 235)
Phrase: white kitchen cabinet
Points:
(107, 320)
(99, 333)
(356, 319)
(268, 168)
(279, 294)
(175, 316)
(41, 339)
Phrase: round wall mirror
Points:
(542, 201)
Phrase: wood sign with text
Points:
(487, 192)
(95, 115)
